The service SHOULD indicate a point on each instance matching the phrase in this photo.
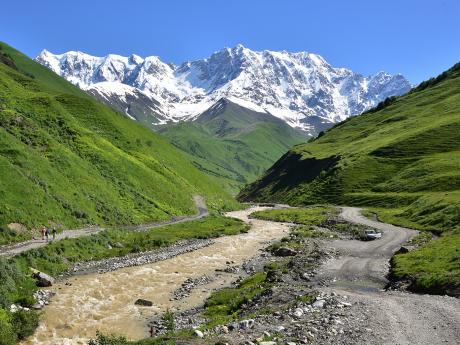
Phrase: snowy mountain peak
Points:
(301, 88)
(135, 59)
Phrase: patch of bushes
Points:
(169, 339)
(382, 105)
(314, 215)
(452, 72)
(16, 287)
(8, 236)
(225, 305)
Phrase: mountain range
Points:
(301, 89)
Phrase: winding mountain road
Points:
(21, 247)
(398, 317)
(361, 263)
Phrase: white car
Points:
(371, 234)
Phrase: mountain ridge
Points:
(300, 88)
(232, 143)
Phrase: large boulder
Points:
(42, 279)
(319, 304)
(285, 251)
(198, 333)
(143, 302)
(403, 250)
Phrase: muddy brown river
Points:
(105, 301)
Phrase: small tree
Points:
(168, 320)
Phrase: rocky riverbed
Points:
(318, 290)
(138, 259)
(329, 291)
(105, 302)
(191, 283)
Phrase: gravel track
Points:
(360, 272)
(19, 248)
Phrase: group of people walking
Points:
(46, 233)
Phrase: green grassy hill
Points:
(67, 159)
(401, 159)
(233, 144)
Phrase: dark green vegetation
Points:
(67, 160)
(225, 305)
(316, 215)
(434, 268)
(16, 287)
(402, 160)
(313, 221)
(59, 256)
(233, 144)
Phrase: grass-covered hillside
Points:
(233, 144)
(401, 159)
(68, 160)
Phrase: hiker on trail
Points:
(47, 234)
(54, 233)
(43, 231)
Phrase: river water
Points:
(105, 302)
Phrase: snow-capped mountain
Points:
(300, 88)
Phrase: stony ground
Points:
(138, 259)
(332, 293)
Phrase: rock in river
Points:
(43, 280)
(143, 302)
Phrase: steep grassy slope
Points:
(404, 156)
(67, 159)
(232, 143)
(401, 159)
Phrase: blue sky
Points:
(417, 38)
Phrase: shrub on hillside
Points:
(24, 323)
(7, 336)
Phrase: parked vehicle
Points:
(371, 234)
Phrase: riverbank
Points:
(57, 258)
(84, 304)
(136, 259)
(22, 247)
(327, 291)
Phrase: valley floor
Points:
(87, 303)
(330, 292)
(336, 298)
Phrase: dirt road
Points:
(19, 248)
(398, 317)
(363, 265)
